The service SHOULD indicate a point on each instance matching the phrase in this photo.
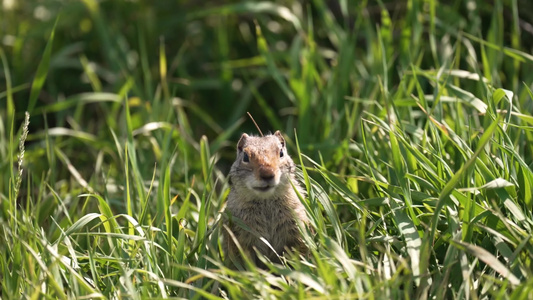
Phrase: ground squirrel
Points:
(263, 199)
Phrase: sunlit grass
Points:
(411, 124)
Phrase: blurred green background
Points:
(317, 53)
(214, 64)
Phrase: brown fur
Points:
(263, 199)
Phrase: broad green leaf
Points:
(42, 71)
(454, 181)
(487, 258)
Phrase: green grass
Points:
(411, 122)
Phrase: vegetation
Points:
(411, 121)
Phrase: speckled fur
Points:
(272, 214)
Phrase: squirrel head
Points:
(262, 163)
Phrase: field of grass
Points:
(411, 122)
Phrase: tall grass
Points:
(411, 122)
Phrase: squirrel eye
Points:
(281, 153)
(246, 158)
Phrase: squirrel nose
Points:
(266, 174)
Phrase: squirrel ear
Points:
(280, 137)
(242, 141)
